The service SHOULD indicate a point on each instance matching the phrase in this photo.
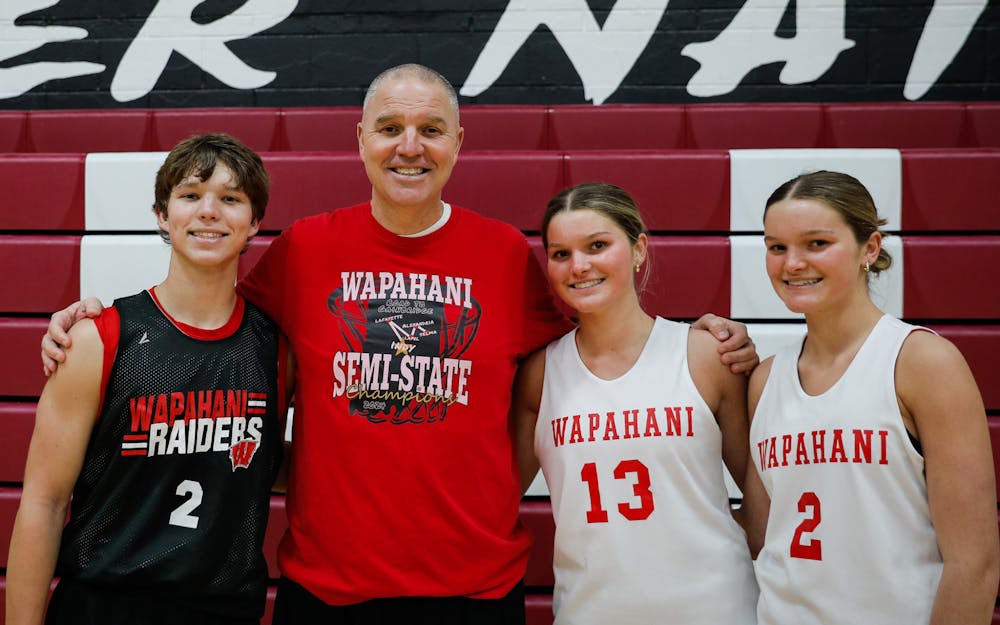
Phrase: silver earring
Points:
(867, 266)
(637, 265)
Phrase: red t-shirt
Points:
(403, 480)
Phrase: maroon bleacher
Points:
(950, 190)
(315, 129)
(276, 525)
(9, 499)
(980, 345)
(529, 127)
(17, 419)
(680, 190)
(257, 127)
(258, 245)
(125, 130)
(42, 191)
(951, 277)
(269, 606)
(673, 158)
(486, 128)
(501, 127)
(676, 190)
(537, 517)
(20, 368)
(303, 184)
(779, 125)
(618, 127)
(538, 609)
(307, 183)
(21, 375)
(984, 123)
(12, 131)
(688, 276)
(527, 180)
(41, 273)
(896, 125)
(43, 269)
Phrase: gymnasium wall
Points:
(703, 109)
(79, 222)
(62, 54)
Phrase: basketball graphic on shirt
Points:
(406, 335)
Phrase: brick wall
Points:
(568, 51)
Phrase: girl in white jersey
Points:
(871, 462)
(632, 417)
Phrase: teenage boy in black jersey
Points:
(164, 428)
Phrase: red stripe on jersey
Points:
(109, 328)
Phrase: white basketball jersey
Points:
(644, 533)
(849, 537)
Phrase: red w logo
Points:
(241, 453)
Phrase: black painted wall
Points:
(326, 52)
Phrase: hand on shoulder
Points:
(86, 348)
(713, 378)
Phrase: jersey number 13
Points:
(626, 470)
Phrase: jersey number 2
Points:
(597, 513)
(812, 549)
(181, 516)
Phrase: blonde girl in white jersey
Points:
(870, 492)
(632, 417)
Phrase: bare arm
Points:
(57, 338)
(735, 348)
(937, 391)
(725, 393)
(732, 418)
(524, 405)
(67, 411)
(756, 505)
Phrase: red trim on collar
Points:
(202, 334)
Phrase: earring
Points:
(867, 266)
(637, 265)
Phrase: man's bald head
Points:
(413, 70)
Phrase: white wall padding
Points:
(118, 191)
(755, 174)
(116, 265)
(752, 296)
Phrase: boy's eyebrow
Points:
(194, 181)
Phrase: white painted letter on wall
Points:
(946, 31)
(601, 56)
(750, 41)
(170, 28)
(15, 40)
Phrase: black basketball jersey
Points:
(174, 492)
